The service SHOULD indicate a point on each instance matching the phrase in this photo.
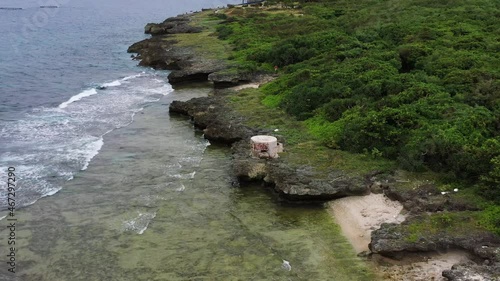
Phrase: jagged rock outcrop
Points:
(163, 52)
(471, 271)
(393, 239)
(302, 183)
(215, 119)
(158, 53)
(426, 198)
(179, 24)
(224, 79)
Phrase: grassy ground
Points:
(447, 224)
(212, 48)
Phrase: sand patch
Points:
(359, 215)
(430, 268)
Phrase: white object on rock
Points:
(456, 189)
(286, 265)
(444, 192)
(265, 146)
(276, 130)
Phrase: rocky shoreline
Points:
(161, 52)
(221, 124)
(303, 184)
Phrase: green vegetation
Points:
(490, 219)
(302, 146)
(413, 81)
(212, 48)
(447, 224)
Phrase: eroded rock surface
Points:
(179, 24)
(215, 119)
(302, 183)
(162, 51)
(473, 272)
(392, 240)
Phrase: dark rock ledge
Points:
(391, 240)
(472, 271)
(299, 184)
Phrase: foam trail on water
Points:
(86, 93)
(93, 149)
(140, 223)
(50, 145)
(112, 84)
(133, 76)
(52, 192)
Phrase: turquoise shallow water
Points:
(157, 204)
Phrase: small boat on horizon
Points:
(49, 6)
(9, 8)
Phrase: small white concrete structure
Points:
(265, 146)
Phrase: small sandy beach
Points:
(359, 215)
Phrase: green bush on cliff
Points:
(414, 80)
(490, 219)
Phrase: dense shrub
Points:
(415, 81)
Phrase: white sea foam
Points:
(133, 76)
(93, 149)
(78, 97)
(112, 84)
(50, 145)
(51, 192)
(183, 176)
(165, 90)
(140, 223)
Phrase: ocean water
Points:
(109, 186)
(52, 116)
